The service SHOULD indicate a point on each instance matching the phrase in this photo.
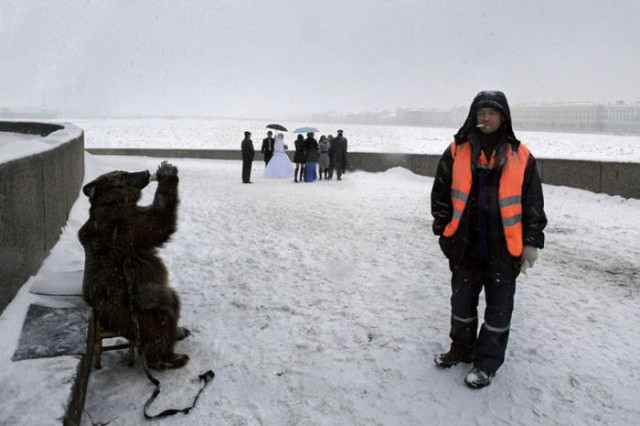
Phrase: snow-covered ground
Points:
(324, 303)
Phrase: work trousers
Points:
(467, 281)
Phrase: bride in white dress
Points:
(280, 166)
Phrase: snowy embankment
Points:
(323, 304)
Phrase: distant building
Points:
(621, 118)
(567, 117)
(424, 117)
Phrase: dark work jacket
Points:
(480, 236)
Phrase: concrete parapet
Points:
(621, 179)
(36, 194)
(217, 154)
(29, 128)
(576, 174)
(610, 178)
(421, 164)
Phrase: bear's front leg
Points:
(166, 198)
(154, 224)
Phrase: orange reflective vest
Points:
(509, 191)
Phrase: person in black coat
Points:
(345, 149)
(311, 156)
(247, 157)
(488, 209)
(299, 158)
(267, 147)
(339, 150)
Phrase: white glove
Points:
(528, 258)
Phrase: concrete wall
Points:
(216, 154)
(36, 195)
(610, 178)
(29, 128)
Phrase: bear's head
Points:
(117, 187)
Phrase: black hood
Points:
(487, 99)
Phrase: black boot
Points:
(478, 378)
(449, 359)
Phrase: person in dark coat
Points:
(247, 157)
(299, 159)
(488, 209)
(311, 158)
(267, 147)
(332, 158)
(345, 144)
(339, 149)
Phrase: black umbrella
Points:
(277, 127)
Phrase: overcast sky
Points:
(258, 58)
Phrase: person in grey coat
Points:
(323, 161)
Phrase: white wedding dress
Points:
(280, 166)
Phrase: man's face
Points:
(489, 120)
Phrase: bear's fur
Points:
(120, 241)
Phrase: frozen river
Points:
(227, 134)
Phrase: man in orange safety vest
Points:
(488, 209)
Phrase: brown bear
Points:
(120, 241)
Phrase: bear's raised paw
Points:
(166, 170)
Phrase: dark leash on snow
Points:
(206, 377)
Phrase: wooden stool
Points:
(98, 348)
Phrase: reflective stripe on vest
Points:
(509, 192)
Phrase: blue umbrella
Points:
(306, 130)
